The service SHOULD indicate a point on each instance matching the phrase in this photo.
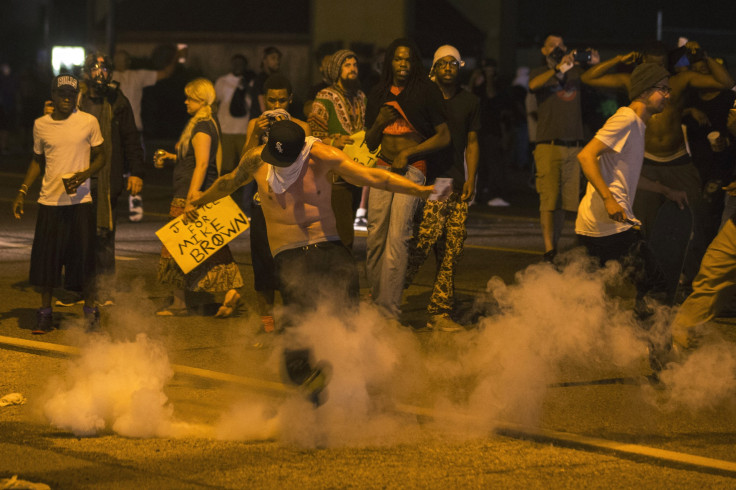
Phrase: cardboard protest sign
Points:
(192, 243)
(358, 150)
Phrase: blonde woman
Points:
(197, 165)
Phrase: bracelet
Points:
(23, 190)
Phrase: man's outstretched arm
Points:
(360, 175)
(229, 183)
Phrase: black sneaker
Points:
(315, 384)
(44, 322)
(91, 319)
(549, 257)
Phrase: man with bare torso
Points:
(294, 176)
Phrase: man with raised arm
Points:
(668, 171)
(557, 89)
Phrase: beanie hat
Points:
(644, 77)
(335, 65)
(447, 50)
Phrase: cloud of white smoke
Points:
(705, 380)
(117, 386)
(551, 325)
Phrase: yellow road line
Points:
(635, 451)
(71, 351)
(504, 249)
(576, 441)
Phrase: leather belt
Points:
(561, 143)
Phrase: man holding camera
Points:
(556, 86)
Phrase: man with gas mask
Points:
(123, 156)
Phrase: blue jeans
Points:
(390, 219)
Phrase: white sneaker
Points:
(135, 207)
(444, 323)
(498, 202)
(360, 223)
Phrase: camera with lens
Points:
(557, 54)
(582, 56)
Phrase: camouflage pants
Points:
(443, 225)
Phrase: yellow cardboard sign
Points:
(192, 243)
(358, 150)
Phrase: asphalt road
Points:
(547, 387)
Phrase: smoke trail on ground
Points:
(551, 324)
(705, 380)
(546, 319)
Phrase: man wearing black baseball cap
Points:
(67, 150)
(294, 176)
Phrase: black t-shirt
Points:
(184, 168)
(463, 116)
(422, 104)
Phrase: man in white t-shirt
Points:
(612, 163)
(132, 83)
(67, 148)
(233, 118)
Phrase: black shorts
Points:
(323, 273)
(264, 270)
(64, 240)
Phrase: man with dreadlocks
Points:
(404, 114)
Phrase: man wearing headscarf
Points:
(338, 112)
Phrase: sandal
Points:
(229, 304)
(169, 311)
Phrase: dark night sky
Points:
(626, 21)
(611, 23)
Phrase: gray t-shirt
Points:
(558, 106)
